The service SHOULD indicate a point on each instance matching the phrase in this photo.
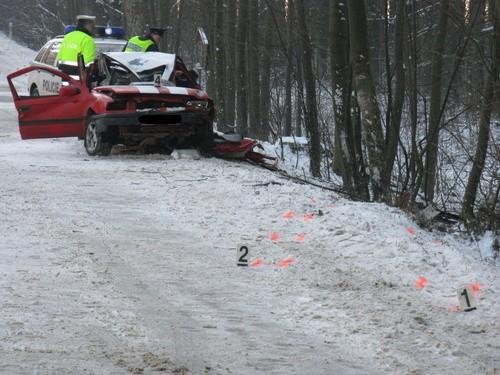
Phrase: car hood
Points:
(139, 62)
(152, 90)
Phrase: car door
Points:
(60, 114)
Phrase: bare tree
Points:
(366, 94)
(435, 112)
(241, 65)
(487, 100)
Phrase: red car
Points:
(134, 99)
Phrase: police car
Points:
(42, 83)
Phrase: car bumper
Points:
(150, 120)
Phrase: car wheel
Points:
(205, 140)
(95, 144)
(34, 91)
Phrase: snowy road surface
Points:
(127, 264)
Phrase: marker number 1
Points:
(466, 299)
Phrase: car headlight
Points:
(197, 104)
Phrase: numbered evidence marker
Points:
(242, 256)
(466, 298)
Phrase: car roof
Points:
(97, 40)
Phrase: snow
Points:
(128, 264)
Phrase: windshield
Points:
(109, 47)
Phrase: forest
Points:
(398, 99)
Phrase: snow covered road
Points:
(127, 264)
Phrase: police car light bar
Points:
(102, 31)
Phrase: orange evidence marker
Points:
(476, 288)
(308, 217)
(256, 263)
(275, 236)
(410, 231)
(300, 237)
(421, 282)
(288, 215)
(285, 263)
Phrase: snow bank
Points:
(13, 56)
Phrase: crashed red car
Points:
(133, 99)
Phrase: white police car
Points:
(42, 83)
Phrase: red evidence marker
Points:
(421, 282)
(275, 236)
(476, 288)
(256, 263)
(285, 263)
(410, 231)
(288, 215)
(300, 237)
(308, 217)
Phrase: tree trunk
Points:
(289, 71)
(220, 64)
(253, 78)
(394, 123)
(179, 25)
(310, 86)
(241, 66)
(340, 71)
(365, 91)
(134, 20)
(491, 80)
(435, 111)
(265, 81)
(230, 46)
(164, 16)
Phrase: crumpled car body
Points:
(127, 98)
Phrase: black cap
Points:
(157, 30)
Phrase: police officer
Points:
(79, 41)
(146, 43)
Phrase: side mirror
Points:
(69, 91)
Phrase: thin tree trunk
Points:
(230, 46)
(394, 124)
(265, 82)
(310, 86)
(491, 80)
(367, 97)
(253, 78)
(289, 71)
(435, 111)
(241, 66)
(220, 63)
(164, 16)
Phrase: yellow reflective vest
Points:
(138, 44)
(74, 43)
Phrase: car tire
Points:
(34, 91)
(205, 140)
(94, 141)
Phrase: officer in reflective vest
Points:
(79, 41)
(146, 43)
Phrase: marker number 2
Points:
(242, 255)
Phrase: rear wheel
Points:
(95, 143)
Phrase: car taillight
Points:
(117, 105)
(197, 104)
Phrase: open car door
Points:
(61, 114)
